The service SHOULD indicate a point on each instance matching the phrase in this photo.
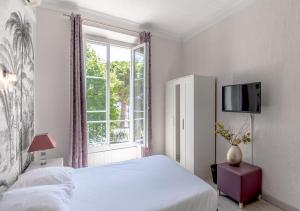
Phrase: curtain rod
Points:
(104, 24)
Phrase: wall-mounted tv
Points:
(244, 98)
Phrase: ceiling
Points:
(177, 17)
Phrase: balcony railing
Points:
(118, 134)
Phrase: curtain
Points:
(145, 37)
(78, 133)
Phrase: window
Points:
(139, 95)
(115, 93)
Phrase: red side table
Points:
(242, 183)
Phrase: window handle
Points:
(182, 124)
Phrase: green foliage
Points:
(234, 139)
(119, 87)
(246, 138)
(94, 65)
(95, 88)
(225, 133)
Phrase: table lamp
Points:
(41, 143)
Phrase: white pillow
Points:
(44, 176)
(38, 198)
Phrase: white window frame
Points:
(146, 92)
(107, 43)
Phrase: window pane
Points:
(119, 82)
(96, 115)
(138, 114)
(96, 60)
(119, 132)
(138, 88)
(139, 130)
(119, 77)
(139, 95)
(96, 94)
(139, 63)
(96, 133)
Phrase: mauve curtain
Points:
(78, 134)
(145, 37)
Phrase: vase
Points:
(234, 155)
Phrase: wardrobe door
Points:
(170, 121)
(189, 124)
(182, 123)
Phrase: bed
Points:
(154, 183)
(148, 184)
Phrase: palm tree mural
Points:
(10, 100)
(20, 29)
(16, 102)
(22, 42)
(8, 56)
(10, 97)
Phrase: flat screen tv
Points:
(245, 98)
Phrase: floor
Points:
(226, 204)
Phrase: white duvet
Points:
(148, 184)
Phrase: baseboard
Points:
(278, 203)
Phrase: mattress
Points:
(148, 184)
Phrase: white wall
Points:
(166, 65)
(259, 43)
(52, 77)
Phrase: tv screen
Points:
(242, 98)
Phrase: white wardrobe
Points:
(190, 122)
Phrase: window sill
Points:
(109, 147)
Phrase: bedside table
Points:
(242, 183)
(55, 162)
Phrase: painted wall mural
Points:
(16, 96)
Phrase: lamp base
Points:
(43, 160)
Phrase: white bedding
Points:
(148, 184)
(38, 198)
